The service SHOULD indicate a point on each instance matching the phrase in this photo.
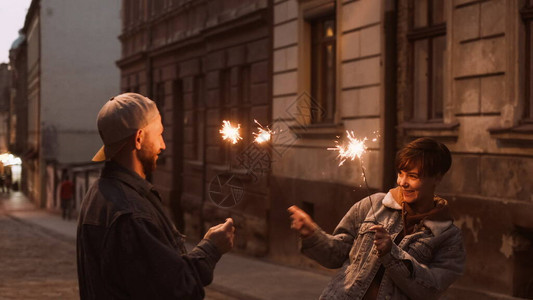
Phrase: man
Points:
(127, 247)
(66, 193)
(399, 245)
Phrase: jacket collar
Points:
(132, 179)
(436, 227)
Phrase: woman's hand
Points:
(301, 222)
(382, 239)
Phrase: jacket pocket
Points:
(363, 245)
(421, 251)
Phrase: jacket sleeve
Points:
(331, 251)
(426, 281)
(138, 261)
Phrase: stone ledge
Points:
(521, 134)
(318, 131)
(434, 130)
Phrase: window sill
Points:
(433, 130)
(227, 169)
(318, 131)
(196, 165)
(521, 134)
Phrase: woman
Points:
(399, 245)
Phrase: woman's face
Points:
(415, 188)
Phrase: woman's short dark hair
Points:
(431, 157)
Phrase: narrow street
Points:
(38, 261)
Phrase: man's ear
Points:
(139, 137)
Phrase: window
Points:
(527, 16)
(199, 114)
(323, 69)
(132, 12)
(160, 102)
(245, 105)
(157, 7)
(160, 98)
(226, 111)
(427, 37)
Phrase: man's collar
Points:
(129, 177)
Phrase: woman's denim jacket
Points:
(422, 266)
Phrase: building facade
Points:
(391, 71)
(5, 79)
(456, 71)
(204, 62)
(18, 105)
(71, 50)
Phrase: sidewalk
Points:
(237, 276)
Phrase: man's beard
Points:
(148, 160)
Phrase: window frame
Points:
(526, 14)
(323, 108)
(430, 32)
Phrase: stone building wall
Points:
(305, 173)
(5, 76)
(204, 62)
(33, 163)
(209, 61)
(490, 182)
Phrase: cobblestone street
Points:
(38, 261)
(35, 263)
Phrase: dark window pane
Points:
(225, 86)
(529, 102)
(200, 116)
(329, 29)
(323, 69)
(330, 82)
(420, 82)
(160, 99)
(245, 84)
(437, 70)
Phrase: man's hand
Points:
(301, 222)
(382, 239)
(222, 235)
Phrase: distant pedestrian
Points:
(66, 195)
(8, 181)
(127, 247)
(3, 183)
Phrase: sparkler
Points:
(354, 148)
(230, 133)
(264, 135)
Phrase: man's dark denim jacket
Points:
(127, 248)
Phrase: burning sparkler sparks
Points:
(264, 135)
(354, 148)
(230, 133)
